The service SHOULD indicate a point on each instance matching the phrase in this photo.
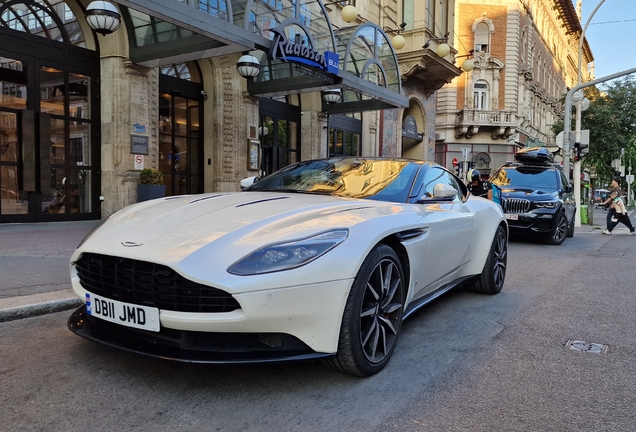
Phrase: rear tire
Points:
(373, 315)
(493, 276)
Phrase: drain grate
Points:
(587, 347)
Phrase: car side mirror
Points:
(247, 182)
(569, 188)
(441, 192)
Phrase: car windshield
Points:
(526, 177)
(383, 180)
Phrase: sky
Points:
(610, 35)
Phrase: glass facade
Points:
(48, 113)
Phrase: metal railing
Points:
(486, 118)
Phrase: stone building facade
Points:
(163, 91)
(525, 56)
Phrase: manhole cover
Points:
(587, 346)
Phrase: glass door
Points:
(279, 131)
(14, 200)
(180, 135)
(67, 173)
(344, 136)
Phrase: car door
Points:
(450, 232)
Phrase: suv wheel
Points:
(560, 230)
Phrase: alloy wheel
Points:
(381, 311)
(500, 255)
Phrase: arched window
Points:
(480, 95)
(482, 37)
(180, 71)
(51, 19)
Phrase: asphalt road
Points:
(467, 362)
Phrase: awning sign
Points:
(285, 50)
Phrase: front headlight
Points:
(285, 256)
(546, 204)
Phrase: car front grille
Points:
(148, 284)
(515, 205)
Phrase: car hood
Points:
(528, 193)
(167, 230)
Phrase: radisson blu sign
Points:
(286, 50)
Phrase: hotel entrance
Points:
(49, 147)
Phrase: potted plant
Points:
(150, 185)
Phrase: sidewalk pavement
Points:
(34, 264)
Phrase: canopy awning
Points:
(170, 31)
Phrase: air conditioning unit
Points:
(440, 136)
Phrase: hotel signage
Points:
(288, 51)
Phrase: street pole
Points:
(567, 115)
(576, 173)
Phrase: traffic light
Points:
(580, 151)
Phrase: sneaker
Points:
(606, 232)
(614, 219)
(631, 233)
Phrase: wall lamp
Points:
(103, 17)
(468, 64)
(398, 40)
(443, 49)
(248, 66)
(332, 96)
(348, 13)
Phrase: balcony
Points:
(430, 69)
(501, 124)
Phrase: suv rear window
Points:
(531, 177)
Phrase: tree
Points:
(611, 120)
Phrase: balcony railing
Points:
(486, 118)
(500, 124)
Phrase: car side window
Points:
(435, 176)
(564, 181)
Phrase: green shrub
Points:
(151, 176)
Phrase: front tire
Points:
(493, 276)
(373, 315)
(560, 230)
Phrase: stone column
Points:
(129, 95)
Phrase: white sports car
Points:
(323, 258)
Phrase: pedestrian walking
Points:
(617, 212)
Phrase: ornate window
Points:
(480, 95)
(482, 38)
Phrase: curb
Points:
(37, 304)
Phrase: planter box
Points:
(147, 192)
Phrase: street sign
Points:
(585, 137)
(139, 162)
(559, 140)
(465, 152)
(455, 162)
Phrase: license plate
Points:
(130, 315)
(512, 216)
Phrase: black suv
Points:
(536, 197)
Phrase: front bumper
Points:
(193, 347)
(271, 325)
(531, 222)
